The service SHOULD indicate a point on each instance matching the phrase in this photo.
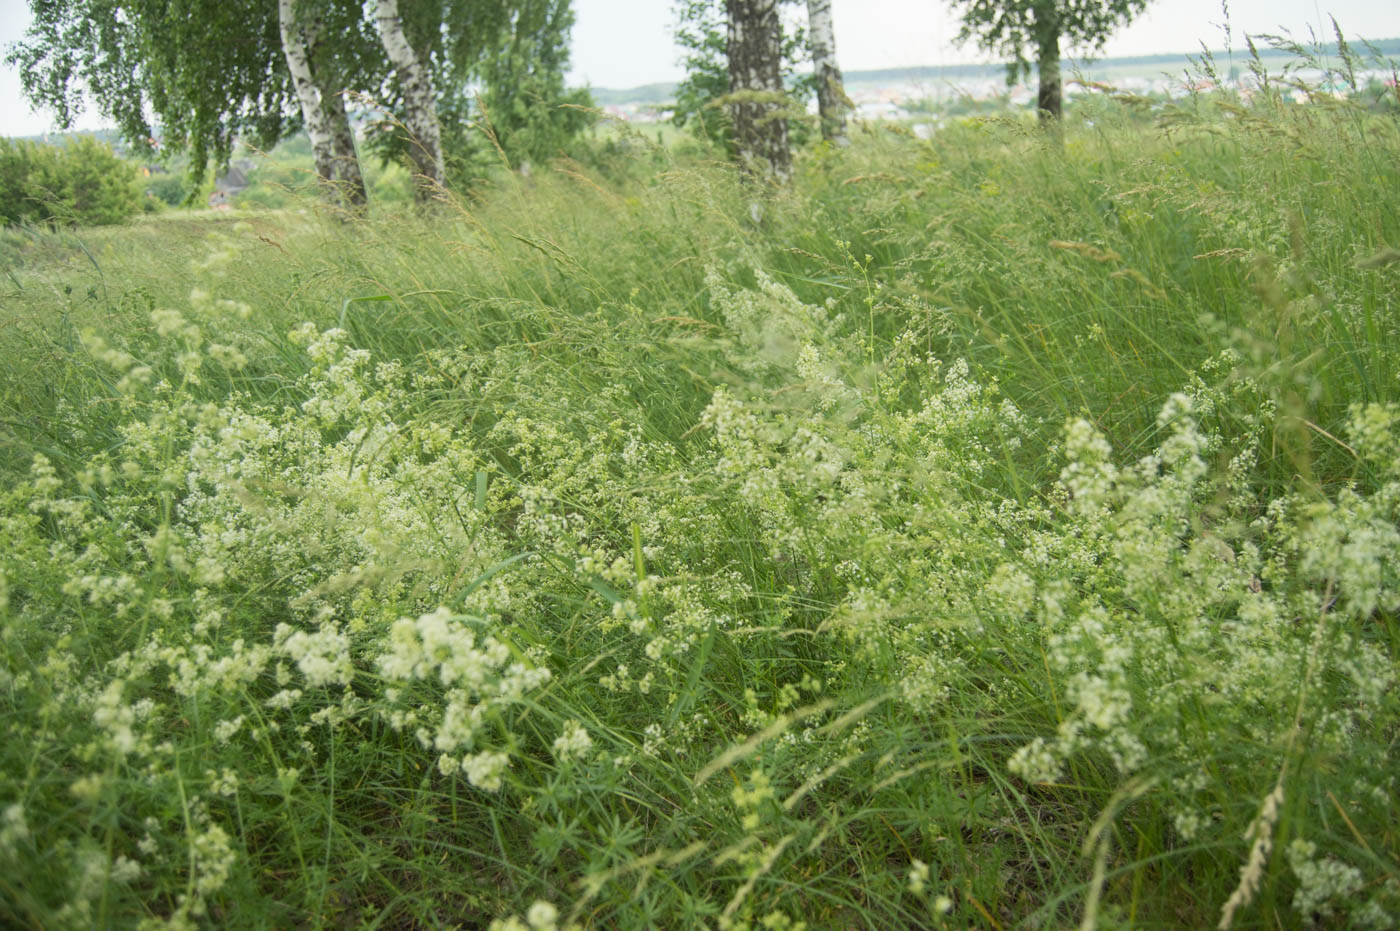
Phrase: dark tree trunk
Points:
(755, 80)
(348, 177)
(1048, 101)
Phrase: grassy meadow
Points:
(981, 533)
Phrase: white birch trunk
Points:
(831, 91)
(420, 100)
(348, 176)
(313, 114)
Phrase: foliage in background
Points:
(211, 73)
(208, 72)
(82, 182)
(523, 113)
(1015, 27)
(533, 116)
(517, 50)
(286, 179)
(701, 32)
(170, 188)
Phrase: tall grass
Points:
(978, 533)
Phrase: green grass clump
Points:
(979, 533)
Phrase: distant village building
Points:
(229, 184)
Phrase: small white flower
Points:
(13, 827)
(573, 743)
(213, 856)
(918, 876)
(224, 730)
(542, 916)
(486, 769)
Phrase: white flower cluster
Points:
(573, 743)
(116, 718)
(479, 677)
(440, 644)
(213, 857)
(323, 656)
(13, 828)
(1089, 475)
(486, 770)
(338, 378)
(1323, 882)
(772, 324)
(541, 916)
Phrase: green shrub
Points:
(81, 183)
(266, 197)
(171, 189)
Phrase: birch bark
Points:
(346, 160)
(831, 91)
(420, 101)
(308, 93)
(756, 84)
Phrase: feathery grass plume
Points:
(1261, 835)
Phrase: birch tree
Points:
(337, 48)
(831, 92)
(1040, 27)
(178, 63)
(347, 172)
(308, 93)
(702, 98)
(202, 74)
(208, 71)
(419, 101)
(757, 102)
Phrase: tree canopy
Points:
(199, 74)
(208, 71)
(1010, 27)
(1015, 27)
(526, 103)
(702, 32)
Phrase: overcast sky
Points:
(624, 43)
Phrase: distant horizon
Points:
(881, 34)
(993, 63)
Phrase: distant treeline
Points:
(666, 92)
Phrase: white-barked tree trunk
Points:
(831, 91)
(313, 114)
(347, 160)
(420, 101)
